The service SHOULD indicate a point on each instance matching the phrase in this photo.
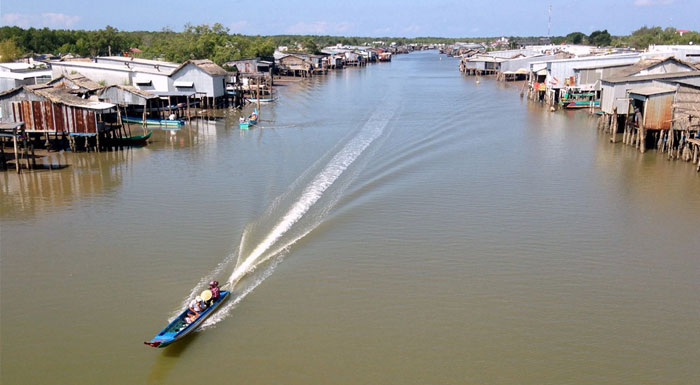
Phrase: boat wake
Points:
(302, 215)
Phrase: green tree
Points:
(600, 38)
(310, 46)
(575, 38)
(9, 51)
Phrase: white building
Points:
(112, 73)
(202, 77)
(13, 75)
(683, 52)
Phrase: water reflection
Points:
(167, 360)
(63, 178)
(81, 175)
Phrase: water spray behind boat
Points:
(302, 216)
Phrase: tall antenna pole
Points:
(549, 23)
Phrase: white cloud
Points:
(319, 28)
(383, 30)
(47, 19)
(313, 28)
(238, 26)
(59, 20)
(343, 26)
(17, 19)
(413, 28)
(648, 3)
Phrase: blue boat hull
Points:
(244, 125)
(179, 328)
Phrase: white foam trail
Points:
(314, 191)
(203, 282)
(235, 300)
(271, 247)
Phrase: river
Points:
(404, 225)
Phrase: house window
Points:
(182, 84)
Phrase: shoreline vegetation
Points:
(219, 44)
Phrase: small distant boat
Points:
(252, 120)
(581, 104)
(154, 122)
(179, 327)
(138, 140)
(262, 100)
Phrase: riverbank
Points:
(648, 100)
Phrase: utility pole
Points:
(549, 23)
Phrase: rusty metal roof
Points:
(64, 96)
(79, 80)
(142, 93)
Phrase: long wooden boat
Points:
(582, 104)
(138, 140)
(262, 100)
(179, 327)
(154, 122)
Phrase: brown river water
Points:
(395, 224)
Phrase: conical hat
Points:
(206, 295)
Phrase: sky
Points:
(392, 18)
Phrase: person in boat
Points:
(197, 306)
(215, 291)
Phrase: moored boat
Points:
(180, 327)
(582, 104)
(154, 122)
(137, 140)
(262, 100)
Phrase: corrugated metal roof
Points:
(687, 84)
(78, 80)
(648, 63)
(623, 79)
(598, 65)
(136, 60)
(25, 75)
(142, 93)
(205, 65)
(63, 96)
(113, 67)
(652, 90)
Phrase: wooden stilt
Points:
(14, 144)
(613, 126)
(25, 149)
(33, 156)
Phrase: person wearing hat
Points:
(207, 297)
(196, 306)
(215, 291)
